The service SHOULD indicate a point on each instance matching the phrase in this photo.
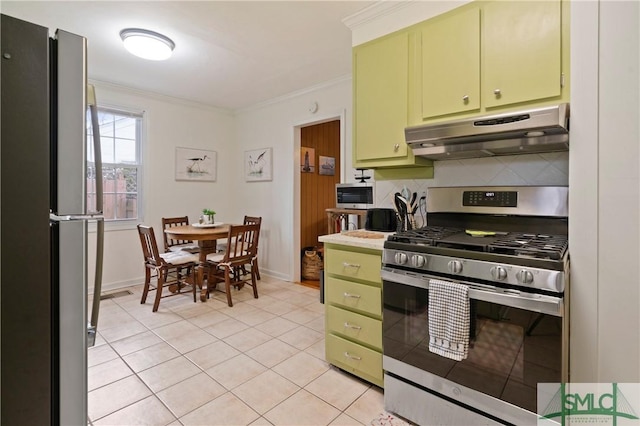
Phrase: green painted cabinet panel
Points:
(354, 265)
(363, 298)
(489, 56)
(381, 97)
(353, 310)
(521, 53)
(355, 359)
(450, 50)
(380, 101)
(358, 327)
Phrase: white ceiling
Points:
(229, 54)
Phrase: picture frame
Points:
(258, 164)
(327, 165)
(307, 160)
(196, 165)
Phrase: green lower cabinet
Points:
(353, 311)
(355, 359)
(365, 299)
(362, 329)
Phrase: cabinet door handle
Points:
(350, 265)
(497, 92)
(465, 99)
(355, 296)
(354, 357)
(396, 147)
(352, 326)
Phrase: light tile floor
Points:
(260, 362)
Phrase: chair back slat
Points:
(241, 246)
(254, 220)
(149, 246)
(169, 222)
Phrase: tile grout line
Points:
(244, 352)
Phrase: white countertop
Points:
(347, 240)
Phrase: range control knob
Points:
(400, 258)
(498, 273)
(455, 266)
(418, 261)
(525, 277)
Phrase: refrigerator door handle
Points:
(68, 217)
(92, 327)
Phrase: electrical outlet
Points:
(423, 194)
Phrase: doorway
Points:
(320, 171)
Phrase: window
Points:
(120, 140)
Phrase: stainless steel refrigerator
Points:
(44, 324)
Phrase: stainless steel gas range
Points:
(507, 249)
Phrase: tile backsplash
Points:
(527, 170)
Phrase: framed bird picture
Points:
(258, 165)
(196, 164)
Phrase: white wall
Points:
(274, 124)
(169, 123)
(603, 179)
(618, 192)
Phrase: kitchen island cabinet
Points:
(353, 304)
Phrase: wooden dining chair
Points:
(173, 269)
(248, 220)
(255, 220)
(227, 267)
(171, 244)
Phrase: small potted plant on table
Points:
(207, 216)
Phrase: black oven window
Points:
(510, 350)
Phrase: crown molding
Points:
(296, 94)
(374, 12)
(129, 90)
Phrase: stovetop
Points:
(517, 244)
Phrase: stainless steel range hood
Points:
(523, 132)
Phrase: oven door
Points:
(517, 340)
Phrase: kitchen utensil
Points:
(412, 202)
(405, 193)
(401, 206)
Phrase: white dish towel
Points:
(449, 319)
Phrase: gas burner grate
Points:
(539, 246)
(426, 236)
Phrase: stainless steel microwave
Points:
(354, 196)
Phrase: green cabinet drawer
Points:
(354, 326)
(355, 359)
(360, 297)
(349, 264)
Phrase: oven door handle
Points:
(517, 299)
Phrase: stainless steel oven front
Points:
(517, 339)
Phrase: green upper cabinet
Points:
(521, 51)
(488, 56)
(380, 103)
(450, 51)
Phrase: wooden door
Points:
(317, 191)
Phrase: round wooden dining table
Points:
(206, 236)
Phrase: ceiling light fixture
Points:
(147, 44)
